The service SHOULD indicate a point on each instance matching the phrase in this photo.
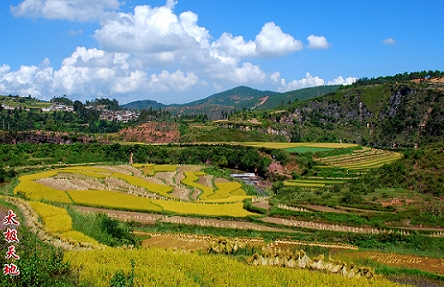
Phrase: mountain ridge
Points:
(238, 98)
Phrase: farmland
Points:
(315, 209)
(124, 187)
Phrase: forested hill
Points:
(143, 104)
(219, 105)
(382, 114)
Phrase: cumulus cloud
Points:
(308, 81)
(72, 10)
(271, 41)
(341, 81)
(389, 41)
(317, 42)
(151, 30)
(150, 50)
(91, 73)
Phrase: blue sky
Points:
(180, 51)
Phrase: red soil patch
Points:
(153, 132)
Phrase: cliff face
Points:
(381, 115)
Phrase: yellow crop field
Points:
(239, 192)
(79, 237)
(148, 168)
(153, 187)
(46, 210)
(88, 168)
(36, 191)
(229, 209)
(229, 193)
(190, 180)
(39, 175)
(233, 198)
(111, 199)
(226, 188)
(156, 267)
(89, 173)
(285, 145)
(165, 167)
(56, 219)
(58, 222)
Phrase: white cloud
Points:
(308, 81)
(275, 78)
(341, 81)
(72, 10)
(317, 42)
(150, 50)
(389, 41)
(228, 45)
(90, 73)
(152, 31)
(271, 41)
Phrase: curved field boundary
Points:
(66, 241)
(190, 180)
(111, 199)
(37, 191)
(58, 223)
(163, 190)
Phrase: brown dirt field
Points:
(323, 208)
(264, 205)
(434, 265)
(220, 179)
(152, 132)
(181, 193)
(255, 122)
(124, 215)
(202, 180)
(59, 184)
(189, 242)
(171, 241)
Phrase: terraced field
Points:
(361, 159)
(300, 146)
(126, 187)
(338, 169)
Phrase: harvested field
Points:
(151, 218)
(60, 183)
(188, 241)
(141, 217)
(321, 226)
(222, 224)
(434, 265)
